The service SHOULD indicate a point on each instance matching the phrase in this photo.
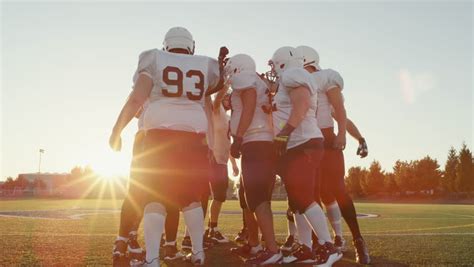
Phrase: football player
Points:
(252, 138)
(219, 156)
(174, 166)
(130, 216)
(333, 193)
(299, 147)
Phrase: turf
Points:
(402, 235)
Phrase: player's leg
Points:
(131, 211)
(258, 170)
(154, 192)
(302, 165)
(219, 184)
(291, 241)
(336, 186)
(242, 235)
(190, 187)
(170, 249)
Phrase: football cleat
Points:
(119, 254)
(340, 243)
(187, 245)
(217, 236)
(196, 259)
(291, 244)
(302, 255)
(247, 251)
(361, 251)
(265, 257)
(326, 255)
(135, 252)
(171, 253)
(242, 236)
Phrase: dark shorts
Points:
(258, 173)
(299, 168)
(175, 168)
(219, 181)
(332, 170)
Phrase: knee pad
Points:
(193, 206)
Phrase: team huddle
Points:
(281, 123)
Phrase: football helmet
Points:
(285, 57)
(179, 37)
(310, 56)
(239, 63)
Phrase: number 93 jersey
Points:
(308, 128)
(180, 81)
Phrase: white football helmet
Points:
(310, 56)
(239, 63)
(178, 37)
(285, 57)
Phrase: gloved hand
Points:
(362, 150)
(280, 141)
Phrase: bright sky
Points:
(67, 69)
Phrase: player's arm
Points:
(249, 103)
(235, 167)
(337, 101)
(134, 102)
(218, 100)
(300, 98)
(301, 101)
(352, 129)
(223, 52)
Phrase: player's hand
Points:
(339, 142)
(279, 143)
(235, 147)
(235, 170)
(362, 150)
(115, 141)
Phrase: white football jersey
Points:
(260, 128)
(179, 83)
(326, 80)
(308, 128)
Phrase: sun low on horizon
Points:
(109, 164)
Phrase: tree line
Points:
(416, 177)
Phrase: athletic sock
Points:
(170, 243)
(212, 225)
(292, 228)
(334, 216)
(186, 231)
(153, 224)
(121, 238)
(315, 216)
(194, 220)
(304, 229)
(350, 216)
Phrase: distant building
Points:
(53, 182)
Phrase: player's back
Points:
(179, 84)
(326, 80)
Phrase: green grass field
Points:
(403, 234)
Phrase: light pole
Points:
(41, 151)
